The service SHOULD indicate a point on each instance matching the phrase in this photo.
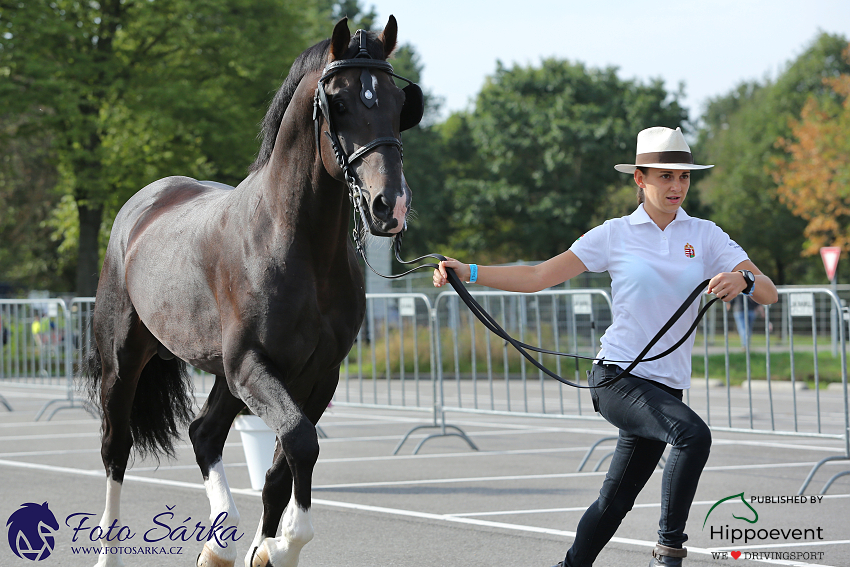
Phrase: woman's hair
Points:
(640, 195)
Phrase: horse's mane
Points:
(313, 59)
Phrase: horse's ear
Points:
(340, 39)
(389, 36)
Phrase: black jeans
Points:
(650, 415)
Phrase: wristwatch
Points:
(751, 281)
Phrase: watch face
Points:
(750, 279)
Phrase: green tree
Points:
(740, 135)
(29, 257)
(358, 17)
(128, 91)
(544, 141)
(814, 176)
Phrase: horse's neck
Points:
(306, 207)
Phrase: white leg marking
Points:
(255, 543)
(222, 549)
(296, 530)
(112, 513)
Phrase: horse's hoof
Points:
(261, 557)
(207, 558)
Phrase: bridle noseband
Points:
(411, 114)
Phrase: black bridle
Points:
(411, 115)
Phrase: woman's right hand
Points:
(461, 269)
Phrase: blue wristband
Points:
(473, 273)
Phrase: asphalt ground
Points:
(515, 502)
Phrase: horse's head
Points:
(360, 113)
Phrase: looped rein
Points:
(411, 114)
(493, 326)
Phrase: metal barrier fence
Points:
(393, 364)
(761, 386)
(38, 346)
(82, 312)
(415, 355)
(481, 375)
(799, 344)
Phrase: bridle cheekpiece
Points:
(411, 114)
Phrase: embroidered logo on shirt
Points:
(689, 251)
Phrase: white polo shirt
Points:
(652, 273)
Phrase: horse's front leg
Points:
(208, 433)
(292, 516)
(296, 455)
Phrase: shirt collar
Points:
(640, 216)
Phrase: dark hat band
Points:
(664, 157)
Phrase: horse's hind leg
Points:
(208, 433)
(125, 348)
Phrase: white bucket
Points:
(258, 442)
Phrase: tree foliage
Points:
(739, 136)
(128, 91)
(531, 167)
(29, 256)
(814, 175)
(98, 99)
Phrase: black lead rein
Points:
(523, 348)
(410, 116)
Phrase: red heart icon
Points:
(735, 554)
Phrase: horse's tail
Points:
(163, 404)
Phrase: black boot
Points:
(560, 564)
(663, 556)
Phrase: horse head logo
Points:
(747, 504)
(31, 530)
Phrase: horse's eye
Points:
(339, 107)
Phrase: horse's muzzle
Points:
(388, 213)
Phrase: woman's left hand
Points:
(727, 285)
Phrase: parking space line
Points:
(465, 454)
(43, 424)
(455, 480)
(396, 511)
(49, 436)
(583, 508)
(542, 476)
(538, 529)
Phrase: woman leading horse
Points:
(654, 256)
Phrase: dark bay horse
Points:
(258, 285)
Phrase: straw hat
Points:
(662, 148)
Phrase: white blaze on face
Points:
(400, 212)
(375, 87)
(401, 205)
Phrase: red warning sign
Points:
(830, 255)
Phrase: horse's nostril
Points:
(381, 208)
